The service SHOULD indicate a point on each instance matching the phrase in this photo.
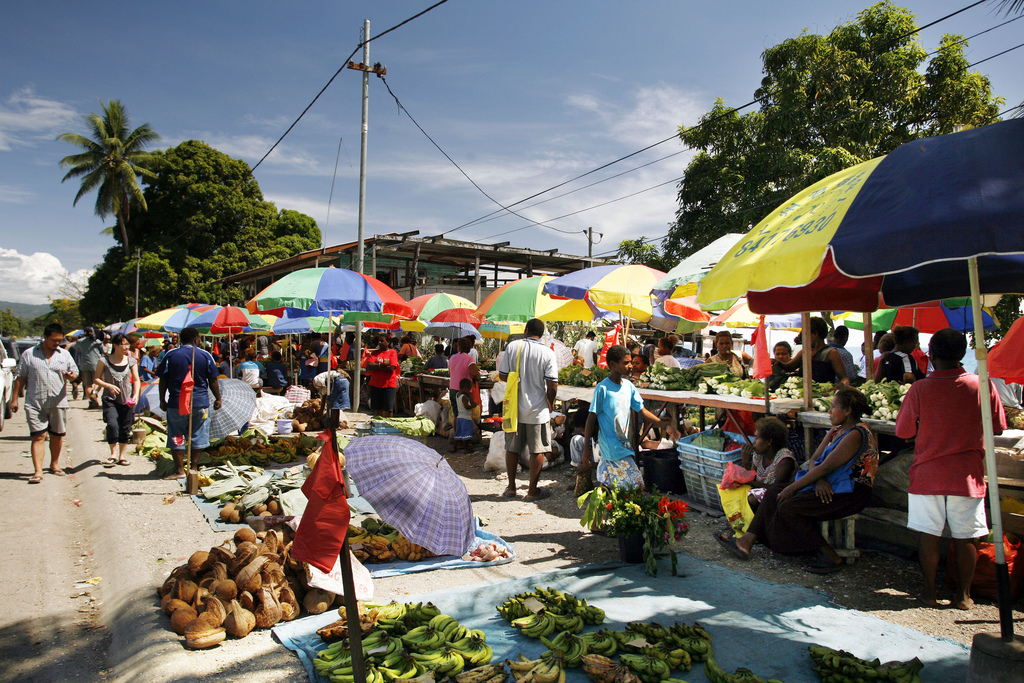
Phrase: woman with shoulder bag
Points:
(118, 375)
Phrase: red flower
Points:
(609, 506)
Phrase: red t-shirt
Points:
(382, 379)
(943, 412)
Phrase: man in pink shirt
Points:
(947, 478)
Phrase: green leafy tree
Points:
(641, 252)
(10, 324)
(63, 311)
(827, 102)
(111, 162)
(207, 219)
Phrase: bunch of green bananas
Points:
(601, 642)
(676, 657)
(345, 674)
(400, 666)
(537, 624)
(490, 673)
(571, 646)
(555, 602)
(839, 666)
(424, 639)
(444, 624)
(546, 669)
(474, 648)
(626, 639)
(444, 662)
(647, 666)
(419, 613)
(715, 674)
(390, 616)
(694, 639)
(332, 657)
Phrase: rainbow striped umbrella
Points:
(624, 289)
(173, 319)
(230, 320)
(523, 299)
(323, 291)
(425, 307)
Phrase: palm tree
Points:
(111, 162)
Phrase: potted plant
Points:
(638, 519)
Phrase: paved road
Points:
(126, 528)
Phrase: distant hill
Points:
(24, 312)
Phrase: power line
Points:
(673, 137)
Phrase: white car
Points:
(7, 365)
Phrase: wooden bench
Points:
(840, 534)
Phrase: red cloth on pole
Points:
(1006, 359)
(762, 361)
(324, 524)
(188, 386)
(611, 338)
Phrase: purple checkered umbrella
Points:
(412, 488)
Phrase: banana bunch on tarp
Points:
(839, 666)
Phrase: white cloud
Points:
(26, 118)
(13, 194)
(32, 279)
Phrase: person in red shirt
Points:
(382, 365)
(947, 477)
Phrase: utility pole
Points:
(138, 260)
(366, 68)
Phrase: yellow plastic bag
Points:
(510, 406)
(737, 508)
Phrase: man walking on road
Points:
(538, 382)
(44, 373)
(90, 350)
(188, 361)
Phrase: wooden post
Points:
(805, 348)
(476, 279)
(355, 635)
(415, 270)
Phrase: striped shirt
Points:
(46, 387)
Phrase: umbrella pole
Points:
(869, 349)
(187, 465)
(991, 470)
(805, 355)
(231, 360)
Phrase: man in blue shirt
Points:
(172, 372)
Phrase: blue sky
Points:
(522, 95)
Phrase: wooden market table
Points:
(413, 387)
(672, 400)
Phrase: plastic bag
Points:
(737, 508)
(984, 583)
(333, 583)
(736, 476)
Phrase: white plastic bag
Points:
(332, 581)
(429, 408)
(495, 461)
(498, 392)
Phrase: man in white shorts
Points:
(947, 478)
(538, 383)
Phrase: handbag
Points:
(510, 406)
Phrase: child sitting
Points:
(464, 419)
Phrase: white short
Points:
(930, 514)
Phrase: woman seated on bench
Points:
(838, 484)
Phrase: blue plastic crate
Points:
(704, 461)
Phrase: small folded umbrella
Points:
(414, 489)
(237, 407)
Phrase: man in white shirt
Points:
(538, 382)
(587, 349)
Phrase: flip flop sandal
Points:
(110, 462)
(730, 545)
(123, 463)
(540, 495)
(35, 479)
(509, 493)
(56, 471)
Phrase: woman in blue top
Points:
(838, 484)
(616, 398)
(277, 374)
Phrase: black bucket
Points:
(661, 470)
